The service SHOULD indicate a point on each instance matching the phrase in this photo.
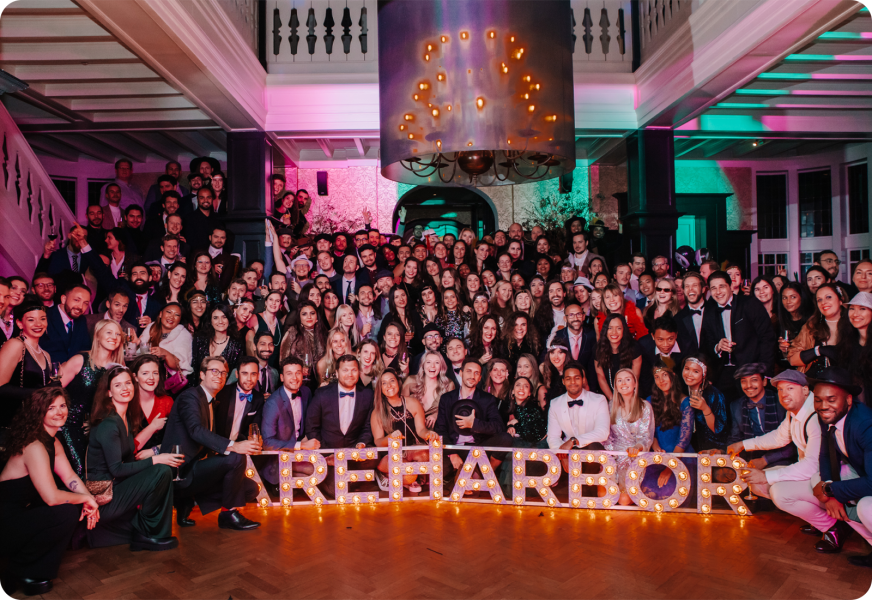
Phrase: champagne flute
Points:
(177, 450)
(786, 339)
(254, 434)
(750, 495)
(306, 363)
(55, 371)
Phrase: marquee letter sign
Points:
(590, 473)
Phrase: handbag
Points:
(101, 490)
(176, 382)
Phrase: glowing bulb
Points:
(520, 500)
(526, 96)
(464, 35)
(533, 456)
(512, 39)
(402, 127)
(742, 510)
(683, 491)
(505, 69)
(437, 481)
(705, 461)
(340, 485)
(449, 108)
(285, 457)
(518, 455)
(613, 490)
(672, 463)
(737, 489)
(601, 480)
(634, 475)
(395, 457)
(440, 77)
(437, 495)
(518, 485)
(527, 78)
(737, 464)
(371, 498)
(706, 508)
(368, 476)
(443, 39)
(642, 463)
(396, 495)
(479, 102)
(575, 472)
(589, 481)
(429, 47)
(734, 499)
(603, 458)
(476, 485)
(467, 467)
(311, 491)
(396, 482)
(427, 57)
(286, 472)
(532, 483)
(634, 490)
(436, 468)
(353, 477)
(643, 502)
(546, 481)
(531, 108)
(319, 500)
(576, 502)
(320, 469)
(554, 470)
(461, 482)
(673, 503)
(721, 462)
(421, 86)
(575, 457)
(299, 483)
(469, 144)
(439, 144)
(551, 501)
(497, 499)
(264, 502)
(286, 501)
(589, 458)
(492, 34)
(606, 503)
(313, 459)
(591, 504)
(437, 456)
(249, 473)
(356, 499)
(518, 470)
(298, 457)
(610, 469)
(706, 493)
(485, 468)
(491, 483)
(706, 477)
(657, 459)
(422, 469)
(455, 496)
(341, 455)
(658, 507)
(408, 118)
(682, 476)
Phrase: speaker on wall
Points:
(322, 183)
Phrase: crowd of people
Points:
(143, 363)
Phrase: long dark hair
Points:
(667, 406)
(137, 363)
(785, 321)
(163, 291)
(476, 346)
(156, 333)
(604, 347)
(192, 269)
(28, 425)
(508, 333)
(103, 406)
(295, 341)
(817, 324)
(207, 331)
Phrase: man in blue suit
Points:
(67, 330)
(67, 265)
(844, 492)
(284, 418)
(338, 416)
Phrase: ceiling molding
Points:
(121, 126)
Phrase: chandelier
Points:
(475, 92)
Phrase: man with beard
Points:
(267, 376)
(44, 288)
(550, 314)
(116, 307)
(200, 223)
(172, 173)
(136, 241)
(689, 318)
(144, 305)
(66, 332)
(95, 230)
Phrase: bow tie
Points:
(727, 307)
(457, 371)
(344, 394)
(695, 311)
(296, 398)
(578, 402)
(246, 397)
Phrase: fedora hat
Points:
(836, 376)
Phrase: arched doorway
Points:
(447, 210)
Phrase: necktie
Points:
(139, 300)
(264, 385)
(75, 263)
(211, 417)
(70, 328)
(575, 347)
(695, 311)
(246, 397)
(835, 463)
(578, 402)
(344, 394)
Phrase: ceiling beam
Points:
(48, 105)
(130, 150)
(83, 127)
(87, 146)
(713, 147)
(52, 147)
(361, 148)
(154, 143)
(690, 148)
(290, 149)
(326, 146)
(187, 141)
(216, 136)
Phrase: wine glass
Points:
(750, 495)
(254, 434)
(53, 233)
(55, 371)
(177, 450)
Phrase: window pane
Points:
(67, 188)
(858, 198)
(772, 206)
(815, 204)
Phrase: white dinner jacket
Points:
(594, 422)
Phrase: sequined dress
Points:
(403, 420)
(81, 390)
(532, 422)
(624, 435)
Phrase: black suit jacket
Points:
(488, 421)
(687, 339)
(225, 408)
(586, 353)
(339, 285)
(198, 228)
(651, 359)
(188, 427)
(322, 418)
(751, 330)
(108, 283)
(59, 343)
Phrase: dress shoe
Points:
(861, 560)
(183, 510)
(32, 587)
(142, 542)
(809, 530)
(233, 519)
(834, 538)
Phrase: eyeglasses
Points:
(432, 336)
(41, 286)
(217, 372)
(664, 290)
(834, 261)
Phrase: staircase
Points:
(30, 204)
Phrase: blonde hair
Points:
(442, 381)
(672, 307)
(118, 355)
(353, 332)
(636, 410)
(330, 366)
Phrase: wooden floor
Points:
(442, 550)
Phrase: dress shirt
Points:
(213, 251)
(129, 195)
(296, 402)
(726, 314)
(793, 429)
(116, 266)
(675, 349)
(67, 321)
(78, 255)
(588, 423)
(346, 409)
(238, 413)
(697, 319)
(840, 435)
(634, 282)
(347, 286)
(573, 340)
(577, 261)
(116, 213)
(463, 440)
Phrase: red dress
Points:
(161, 408)
(634, 323)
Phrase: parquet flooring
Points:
(441, 550)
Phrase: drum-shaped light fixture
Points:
(475, 91)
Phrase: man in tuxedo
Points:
(66, 332)
(284, 417)
(736, 330)
(239, 406)
(485, 429)
(659, 348)
(172, 173)
(116, 307)
(338, 416)
(689, 318)
(218, 242)
(455, 352)
(580, 340)
(581, 256)
(267, 376)
(213, 474)
(156, 219)
(840, 498)
(579, 418)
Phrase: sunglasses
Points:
(664, 290)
